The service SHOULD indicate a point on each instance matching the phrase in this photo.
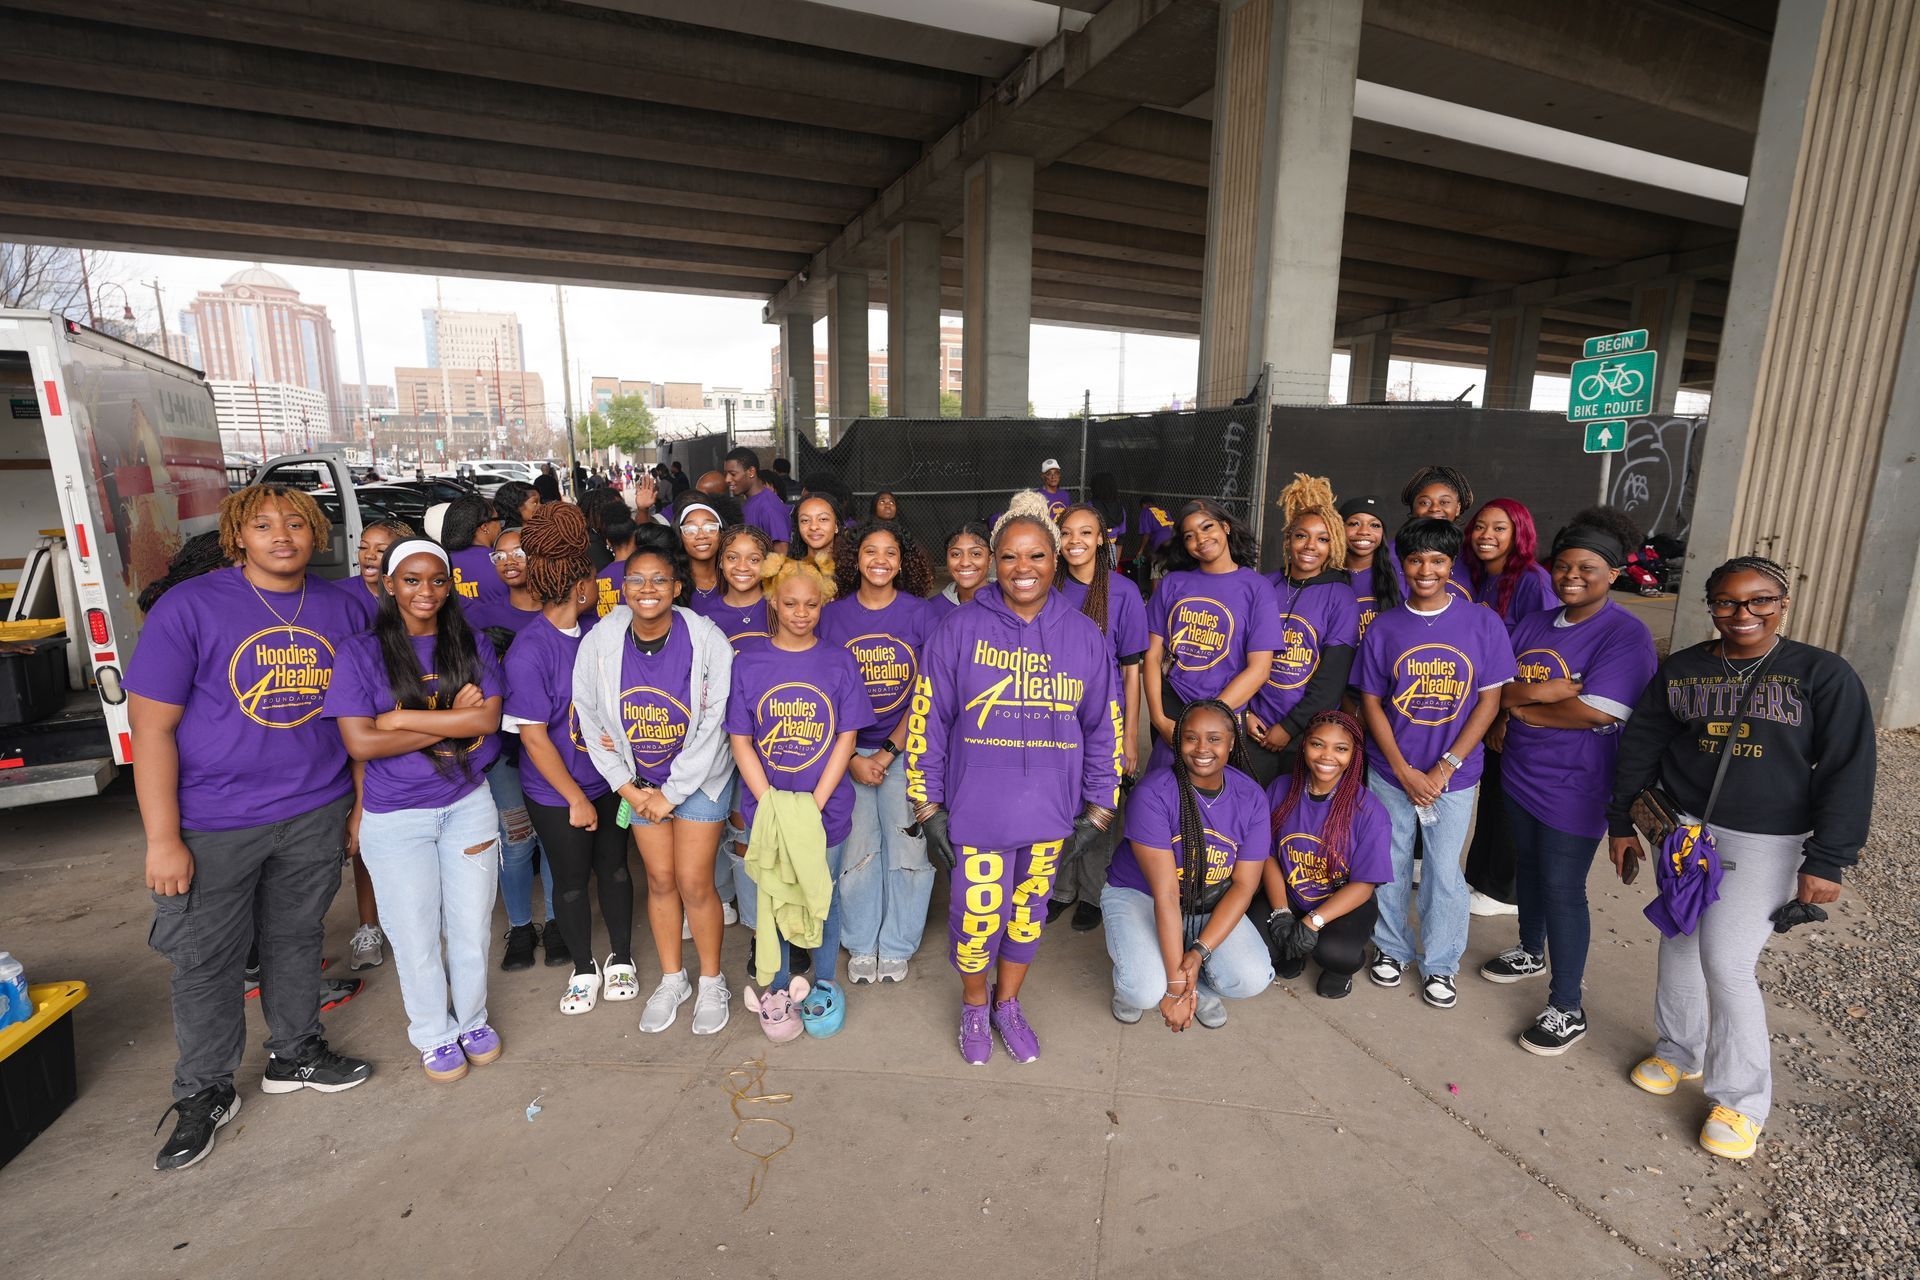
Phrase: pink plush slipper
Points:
(778, 1010)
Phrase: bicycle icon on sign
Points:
(1616, 378)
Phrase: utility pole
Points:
(446, 392)
(498, 398)
(566, 379)
(360, 358)
(160, 311)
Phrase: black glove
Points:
(1795, 913)
(1290, 938)
(1083, 833)
(939, 845)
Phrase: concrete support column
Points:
(1513, 352)
(796, 364)
(1664, 309)
(1367, 367)
(913, 321)
(1816, 405)
(1283, 128)
(997, 288)
(848, 296)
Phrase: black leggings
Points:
(573, 854)
(1342, 946)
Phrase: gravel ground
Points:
(1835, 1189)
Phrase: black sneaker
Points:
(1287, 970)
(1086, 918)
(200, 1115)
(1057, 907)
(1384, 971)
(521, 940)
(1333, 986)
(555, 946)
(799, 960)
(1554, 1032)
(1515, 964)
(316, 1067)
(1437, 990)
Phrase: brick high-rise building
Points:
(876, 370)
(254, 328)
(472, 339)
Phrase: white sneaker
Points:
(728, 915)
(1481, 905)
(663, 1006)
(367, 947)
(712, 1007)
(892, 970)
(622, 981)
(583, 992)
(863, 969)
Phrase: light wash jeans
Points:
(888, 881)
(432, 890)
(517, 843)
(1443, 884)
(826, 956)
(1240, 966)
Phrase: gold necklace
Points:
(285, 622)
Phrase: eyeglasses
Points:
(501, 557)
(699, 528)
(642, 580)
(1758, 607)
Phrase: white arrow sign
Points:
(1606, 436)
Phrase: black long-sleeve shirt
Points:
(1804, 762)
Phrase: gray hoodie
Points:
(705, 762)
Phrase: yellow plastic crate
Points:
(33, 629)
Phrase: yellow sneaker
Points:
(1658, 1076)
(1730, 1134)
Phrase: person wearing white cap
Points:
(1058, 499)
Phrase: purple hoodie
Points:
(1013, 725)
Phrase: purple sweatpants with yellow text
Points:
(998, 904)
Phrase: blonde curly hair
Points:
(1030, 507)
(777, 568)
(1313, 496)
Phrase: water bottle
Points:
(15, 1004)
(1425, 813)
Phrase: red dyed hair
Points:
(1337, 833)
(1526, 546)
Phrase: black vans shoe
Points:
(1554, 1032)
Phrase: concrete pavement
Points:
(1367, 1137)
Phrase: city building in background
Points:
(473, 339)
(498, 405)
(255, 330)
(378, 397)
(950, 369)
(262, 419)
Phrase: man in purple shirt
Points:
(760, 506)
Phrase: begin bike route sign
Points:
(1618, 384)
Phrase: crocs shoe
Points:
(776, 1009)
(1658, 1076)
(1729, 1134)
(621, 982)
(445, 1063)
(976, 1035)
(583, 992)
(481, 1045)
(824, 1011)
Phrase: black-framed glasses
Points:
(1757, 607)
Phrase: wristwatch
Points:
(890, 749)
(1317, 922)
(1206, 952)
(1453, 760)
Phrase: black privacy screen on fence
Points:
(944, 471)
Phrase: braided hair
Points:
(1751, 564)
(556, 541)
(202, 553)
(916, 575)
(465, 515)
(1094, 605)
(1312, 496)
(1336, 834)
(1432, 475)
(1193, 833)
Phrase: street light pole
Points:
(566, 381)
(160, 313)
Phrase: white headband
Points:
(692, 507)
(415, 546)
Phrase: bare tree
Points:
(42, 277)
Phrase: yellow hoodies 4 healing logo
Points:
(279, 676)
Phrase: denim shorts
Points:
(698, 807)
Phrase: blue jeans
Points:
(433, 890)
(517, 843)
(1240, 966)
(826, 956)
(1443, 885)
(888, 882)
(1550, 877)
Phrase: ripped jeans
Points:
(517, 843)
(886, 880)
(436, 871)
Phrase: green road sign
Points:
(1606, 437)
(1616, 344)
(1611, 387)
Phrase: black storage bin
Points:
(38, 1081)
(32, 685)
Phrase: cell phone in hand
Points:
(624, 818)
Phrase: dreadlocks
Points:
(1448, 476)
(202, 553)
(1193, 832)
(1337, 832)
(238, 508)
(916, 575)
(555, 541)
(1313, 496)
(1094, 605)
(1751, 564)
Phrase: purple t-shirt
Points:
(1313, 871)
(1058, 500)
(1126, 613)
(1235, 823)
(365, 607)
(765, 512)
(1428, 672)
(886, 645)
(607, 588)
(539, 673)
(474, 577)
(794, 706)
(1158, 527)
(1531, 594)
(655, 701)
(1564, 776)
(704, 603)
(253, 746)
(1313, 619)
(740, 625)
(499, 613)
(410, 781)
(1210, 622)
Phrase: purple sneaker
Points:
(445, 1063)
(481, 1045)
(976, 1037)
(1010, 1020)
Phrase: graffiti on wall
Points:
(1653, 479)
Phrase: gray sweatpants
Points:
(1708, 1010)
(286, 872)
(1083, 868)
